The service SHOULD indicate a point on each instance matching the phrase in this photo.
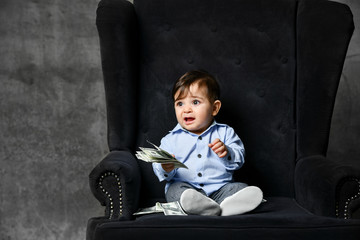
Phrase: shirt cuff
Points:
(162, 174)
(230, 156)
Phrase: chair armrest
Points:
(115, 182)
(327, 188)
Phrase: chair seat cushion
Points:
(277, 218)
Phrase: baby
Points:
(211, 151)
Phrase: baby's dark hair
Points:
(200, 77)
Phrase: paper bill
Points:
(171, 208)
(158, 155)
(149, 210)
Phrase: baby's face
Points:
(194, 111)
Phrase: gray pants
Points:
(177, 188)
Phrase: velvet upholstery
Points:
(281, 218)
(278, 64)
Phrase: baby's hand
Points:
(168, 167)
(219, 148)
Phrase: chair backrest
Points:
(278, 64)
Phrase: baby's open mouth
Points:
(189, 119)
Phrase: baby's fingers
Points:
(223, 154)
(219, 147)
(214, 142)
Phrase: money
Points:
(155, 209)
(171, 208)
(158, 155)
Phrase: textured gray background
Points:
(53, 120)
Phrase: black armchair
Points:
(278, 63)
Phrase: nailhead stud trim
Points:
(119, 197)
(349, 200)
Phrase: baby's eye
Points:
(179, 104)
(196, 102)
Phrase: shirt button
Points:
(199, 155)
(229, 158)
(201, 184)
(166, 175)
(199, 174)
(200, 138)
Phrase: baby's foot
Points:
(243, 201)
(195, 203)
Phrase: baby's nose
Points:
(187, 108)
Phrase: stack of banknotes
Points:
(171, 208)
(158, 155)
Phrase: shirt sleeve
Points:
(236, 151)
(157, 168)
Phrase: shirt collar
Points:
(178, 127)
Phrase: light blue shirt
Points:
(206, 170)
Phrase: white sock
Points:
(195, 203)
(243, 201)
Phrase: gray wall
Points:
(52, 127)
(52, 116)
(345, 131)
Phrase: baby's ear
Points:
(216, 107)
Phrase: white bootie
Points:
(245, 200)
(195, 203)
